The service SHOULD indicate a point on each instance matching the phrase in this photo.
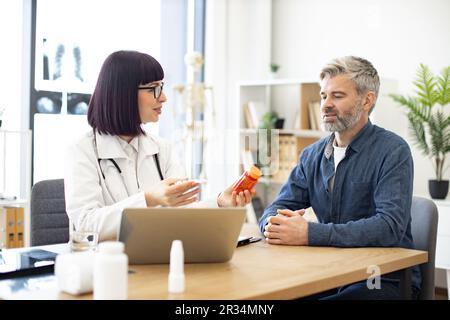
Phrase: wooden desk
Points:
(261, 271)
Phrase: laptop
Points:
(208, 234)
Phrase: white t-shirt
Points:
(338, 154)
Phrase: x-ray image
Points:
(48, 102)
(77, 103)
(59, 65)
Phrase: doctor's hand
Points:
(172, 192)
(287, 227)
(230, 198)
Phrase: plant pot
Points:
(438, 188)
(279, 123)
(273, 75)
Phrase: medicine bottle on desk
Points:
(110, 274)
(248, 179)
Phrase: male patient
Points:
(358, 180)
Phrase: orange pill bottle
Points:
(248, 180)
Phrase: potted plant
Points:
(430, 123)
(274, 69)
(268, 120)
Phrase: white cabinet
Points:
(443, 239)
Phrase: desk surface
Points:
(256, 271)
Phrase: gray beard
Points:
(343, 123)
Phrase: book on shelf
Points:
(287, 157)
(296, 125)
(255, 109)
(315, 115)
(312, 117)
(248, 117)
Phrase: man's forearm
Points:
(374, 231)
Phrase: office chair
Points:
(424, 223)
(49, 221)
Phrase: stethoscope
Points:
(155, 157)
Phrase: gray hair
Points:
(359, 70)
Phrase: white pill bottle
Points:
(110, 272)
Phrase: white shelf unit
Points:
(290, 98)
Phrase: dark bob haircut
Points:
(113, 108)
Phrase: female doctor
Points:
(117, 165)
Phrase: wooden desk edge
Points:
(325, 284)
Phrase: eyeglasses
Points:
(157, 90)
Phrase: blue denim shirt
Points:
(370, 204)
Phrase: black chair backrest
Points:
(424, 215)
(49, 220)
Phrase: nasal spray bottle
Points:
(176, 273)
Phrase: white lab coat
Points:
(95, 203)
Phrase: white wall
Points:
(11, 31)
(394, 35)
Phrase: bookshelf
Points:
(293, 100)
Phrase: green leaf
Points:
(418, 132)
(413, 105)
(425, 83)
(443, 86)
(429, 124)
